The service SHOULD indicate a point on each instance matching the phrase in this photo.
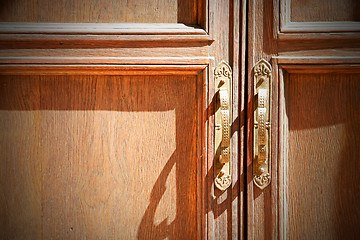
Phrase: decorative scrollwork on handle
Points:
(222, 163)
(262, 89)
(222, 181)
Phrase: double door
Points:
(147, 119)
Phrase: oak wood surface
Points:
(91, 42)
(225, 209)
(322, 60)
(120, 28)
(319, 16)
(101, 69)
(261, 205)
(85, 11)
(99, 157)
(324, 10)
(323, 161)
(132, 56)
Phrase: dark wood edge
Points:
(329, 68)
(93, 40)
(72, 69)
(155, 62)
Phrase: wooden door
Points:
(107, 119)
(313, 47)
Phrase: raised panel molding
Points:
(43, 69)
(101, 28)
(100, 35)
(297, 65)
(284, 149)
(287, 26)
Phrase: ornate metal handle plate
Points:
(262, 154)
(222, 164)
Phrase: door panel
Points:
(313, 48)
(321, 10)
(323, 156)
(87, 11)
(107, 111)
(319, 16)
(90, 157)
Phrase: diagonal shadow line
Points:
(147, 228)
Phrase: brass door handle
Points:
(222, 162)
(225, 125)
(261, 126)
(262, 119)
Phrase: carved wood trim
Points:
(101, 28)
(286, 60)
(287, 26)
(106, 60)
(41, 69)
(26, 35)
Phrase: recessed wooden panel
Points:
(323, 165)
(98, 157)
(324, 10)
(324, 16)
(102, 11)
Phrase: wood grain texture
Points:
(102, 11)
(133, 56)
(261, 205)
(323, 162)
(179, 38)
(100, 35)
(99, 157)
(312, 48)
(241, 119)
(100, 28)
(324, 10)
(319, 16)
(319, 44)
(110, 69)
(225, 209)
(321, 27)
